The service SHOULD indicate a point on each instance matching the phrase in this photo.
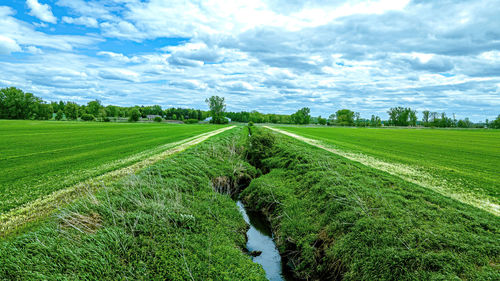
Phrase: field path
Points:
(42, 207)
(408, 173)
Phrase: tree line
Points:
(16, 104)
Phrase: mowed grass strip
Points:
(38, 158)
(466, 161)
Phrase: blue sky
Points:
(272, 56)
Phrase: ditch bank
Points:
(335, 219)
(260, 245)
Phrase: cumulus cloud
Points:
(86, 21)
(272, 56)
(119, 74)
(8, 45)
(41, 11)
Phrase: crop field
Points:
(333, 216)
(461, 161)
(38, 158)
(335, 219)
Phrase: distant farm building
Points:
(210, 119)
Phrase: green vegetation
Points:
(39, 158)
(301, 116)
(134, 115)
(217, 108)
(165, 223)
(336, 219)
(191, 121)
(16, 104)
(467, 159)
(399, 116)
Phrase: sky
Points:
(272, 56)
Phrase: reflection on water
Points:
(260, 238)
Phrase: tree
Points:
(71, 111)
(466, 123)
(495, 124)
(217, 109)
(301, 116)
(344, 117)
(134, 115)
(93, 107)
(59, 115)
(425, 117)
(400, 116)
(112, 111)
(88, 117)
(321, 121)
(375, 121)
(15, 104)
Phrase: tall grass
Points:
(337, 219)
(165, 223)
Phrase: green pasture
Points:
(468, 157)
(39, 157)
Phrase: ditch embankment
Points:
(335, 219)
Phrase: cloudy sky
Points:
(272, 56)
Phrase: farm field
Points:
(38, 158)
(163, 223)
(331, 218)
(466, 160)
(336, 219)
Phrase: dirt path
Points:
(412, 174)
(44, 206)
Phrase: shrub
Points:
(158, 119)
(88, 117)
(59, 115)
(191, 121)
(134, 115)
(250, 124)
(259, 146)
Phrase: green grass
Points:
(466, 158)
(165, 223)
(38, 158)
(337, 219)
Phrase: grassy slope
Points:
(39, 157)
(472, 156)
(166, 223)
(335, 218)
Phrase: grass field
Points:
(38, 158)
(163, 223)
(173, 218)
(335, 219)
(466, 160)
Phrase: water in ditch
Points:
(260, 238)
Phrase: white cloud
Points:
(119, 74)
(8, 45)
(272, 56)
(86, 21)
(24, 34)
(34, 50)
(119, 57)
(41, 11)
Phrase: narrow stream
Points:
(260, 238)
